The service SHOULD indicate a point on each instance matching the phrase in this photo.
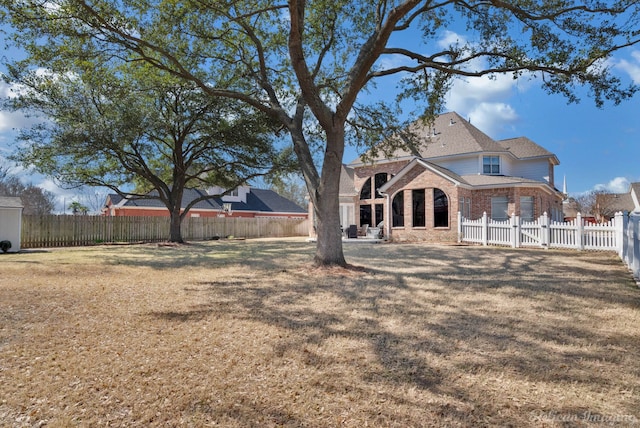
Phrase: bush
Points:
(5, 245)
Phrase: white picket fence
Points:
(621, 234)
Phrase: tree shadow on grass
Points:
(473, 316)
(257, 254)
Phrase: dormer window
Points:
(239, 194)
(491, 165)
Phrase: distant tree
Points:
(601, 204)
(292, 187)
(305, 63)
(143, 134)
(77, 208)
(35, 200)
(586, 202)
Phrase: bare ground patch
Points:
(242, 334)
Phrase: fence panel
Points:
(541, 232)
(530, 234)
(563, 234)
(66, 230)
(499, 233)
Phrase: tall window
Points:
(491, 165)
(365, 215)
(379, 212)
(365, 193)
(440, 209)
(526, 208)
(499, 208)
(417, 203)
(464, 206)
(397, 208)
(380, 179)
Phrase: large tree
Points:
(143, 134)
(304, 63)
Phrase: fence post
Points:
(579, 232)
(515, 230)
(485, 228)
(544, 231)
(635, 239)
(620, 221)
(459, 227)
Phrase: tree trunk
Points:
(327, 204)
(175, 222)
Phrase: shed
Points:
(11, 221)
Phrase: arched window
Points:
(440, 209)
(365, 193)
(397, 208)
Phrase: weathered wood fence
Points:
(621, 234)
(67, 230)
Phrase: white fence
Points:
(629, 246)
(621, 234)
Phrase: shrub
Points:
(5, 245)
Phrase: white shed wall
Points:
(10, 227)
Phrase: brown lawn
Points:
(247, 334)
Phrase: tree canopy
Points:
(143, 134)
(304, 63)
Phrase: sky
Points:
(598, 148)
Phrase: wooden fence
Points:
(621, 234)
(67, 230)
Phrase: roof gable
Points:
(449, 135)
(443, 172)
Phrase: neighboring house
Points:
(459, 169)
(242, 202)
(608, 204)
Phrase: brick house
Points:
(417, 198)
(244, 201)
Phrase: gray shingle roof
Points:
(450, 135)
(524, 148)
(261, 200)
(453, 135)
(10, 202)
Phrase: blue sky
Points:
(597, 148)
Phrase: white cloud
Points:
(632, 68)
(490, 117)
(485, 99)
(617, 185)
(451, 38)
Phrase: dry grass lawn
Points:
(247, 334)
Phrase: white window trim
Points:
(483, 157)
